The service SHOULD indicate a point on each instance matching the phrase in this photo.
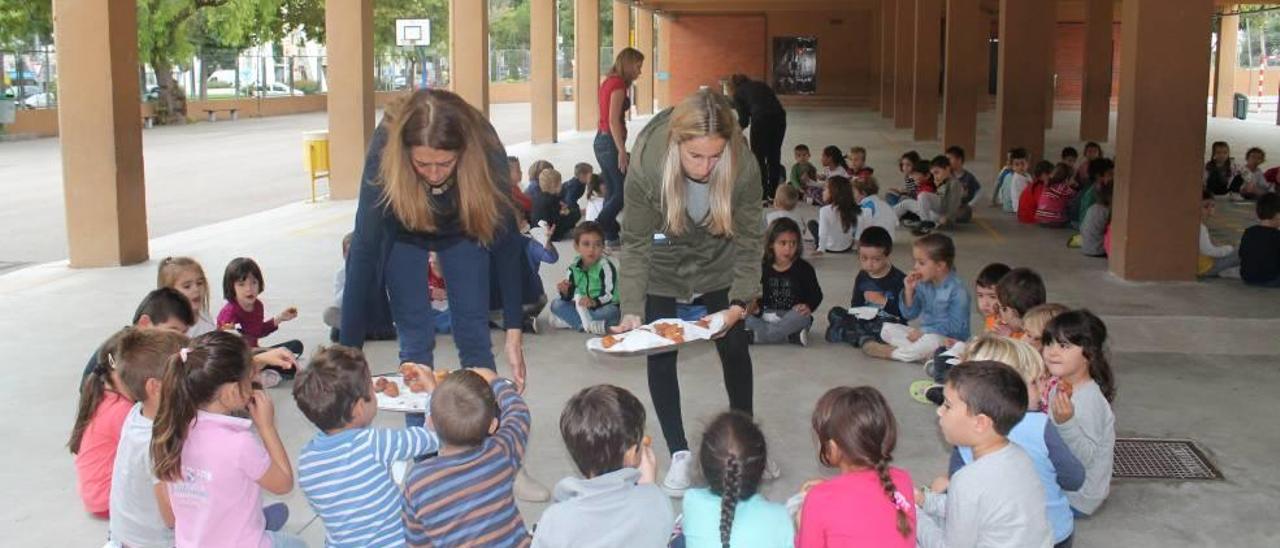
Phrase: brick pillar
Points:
(1019, 95)
(1160, 138)
(1095, 95)
(644, 43)
(888, 41)
(586, 63)
(966, 43)
(927, 62)
(903, 66)
(543, 80)
(1224, 88)
(469, 48)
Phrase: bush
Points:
(309, 87)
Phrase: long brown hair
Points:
(191, 380)
(442, 120)
(843, 201)
(627, 59)
(732, 456)
(703, 114)
(95, 387)
(860, 423)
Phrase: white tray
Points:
(643, 341)
(406, 402)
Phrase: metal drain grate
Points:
(1148, 458)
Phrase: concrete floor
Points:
(1192, 360)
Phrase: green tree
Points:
(23, 22)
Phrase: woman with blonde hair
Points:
(693, 228)
(436, 179)
(611, 137)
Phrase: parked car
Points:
(40, 100)
(274, 89)
(27, 90)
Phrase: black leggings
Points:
(767, 134)
(664, 383)
(294, 346)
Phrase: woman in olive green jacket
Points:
(692, 228)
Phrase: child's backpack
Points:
(1029, 201)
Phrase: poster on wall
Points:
(795, 65)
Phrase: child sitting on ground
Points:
(1051, 208)
(212, 465)
(1030, 197)
(595, 197)
(104, 404)
(1058, 469)
(1084, 175)
(950, 208)
(164, 308)
(833, 165)
(1254, 182)
(186, 275)
(785, 199)
(1070, 156)
(730, 511)
(1096, 222)
(790, 294)
(242, 283)
(801, 168)
(1002, 181)
(589, 295)
(1101, 176)
(1260, 245)
(984, 291)
(532, 187)
(906, 163)
(1018, 179)
(1214, 259)
(534, 300)
(870, 502)
(1220, 171)
(918, 206)
(944, 358)
(523, 203)
(140, 358)
(1080, 403)
(874, 211)
(997, 499)
(484, 426)
(955, 155)
(333, 314)
(857, 162)
(878, 284)
(548, 209)
(615, 502)
(1034, 320)
(1018, 291)
(345, 470)
(833, 230)
(934, 293)
(573, 189)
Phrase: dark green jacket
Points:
(660, 264)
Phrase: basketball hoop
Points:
(413, 32)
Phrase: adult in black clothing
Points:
(758, 107)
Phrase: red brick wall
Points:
(1069, 62)
(707, 48)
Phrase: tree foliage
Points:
(25, 21)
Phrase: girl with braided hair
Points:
(869, 503)
(730, 511)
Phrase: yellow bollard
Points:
(315, 157)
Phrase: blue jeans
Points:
(568, 312)
(466, 273)
(607, 157)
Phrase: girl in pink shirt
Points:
(869, 503)
(104, 404)
(211, 465)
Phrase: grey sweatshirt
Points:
(1091, 435)
(606, 511)
(994, 502)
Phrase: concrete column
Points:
(644, 43)
(586, 63)
(469, 48)
(662, 67)
(542, 74)
(966, 43)
(1154, 219)
(888, 59)
(100, 132)
(1095, 97)
(1224, 88)
(349, 27)
(928, 38)
(1019, 97)
(621, 26)
(904, 64)
(1050, 21)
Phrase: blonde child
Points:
(730, 511)
(934, 293)
(135, 514)
(833, 230)
(873, 210)
(785, 200)
(1058, 469)
(996, 499)
(1075, 353)
(531, 188)
(242, 283)
(1034, 320)
(211, 465)
(549, 209)
(104, 404)
(791, 292)
(185, 275)
(870, 503)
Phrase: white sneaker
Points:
(596, 328)
(771, 470)
(804, 341)
(677, 479)
(558, 323)
(528, 489)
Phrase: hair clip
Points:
(111, 361)
(900, 501)
(182, 354)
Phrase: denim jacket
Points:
(943, 308)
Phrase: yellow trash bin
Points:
(315, 157)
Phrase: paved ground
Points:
(196, 175)
(1193, 360)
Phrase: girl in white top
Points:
(595, 198)
(185, 275)
(833, 164)
(1214, 259)
(833, 231)
(874, 210)
(1255, 182)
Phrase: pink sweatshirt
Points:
(852, 510)
(250, 324)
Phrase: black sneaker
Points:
(835, 334)
(934, 395)
(925, 227)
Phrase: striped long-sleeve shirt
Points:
(347, 480)
(465, 499)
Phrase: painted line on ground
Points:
(990, 230)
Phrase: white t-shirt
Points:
(775, 214)
(876, 212)
(826, 172)
(135, 515)
(593, 208)
(831, 233)
(1017, 183)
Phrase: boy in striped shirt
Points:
(345, 470)
(463, 497)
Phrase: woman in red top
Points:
(611, 137)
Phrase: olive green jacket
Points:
(665, 265)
